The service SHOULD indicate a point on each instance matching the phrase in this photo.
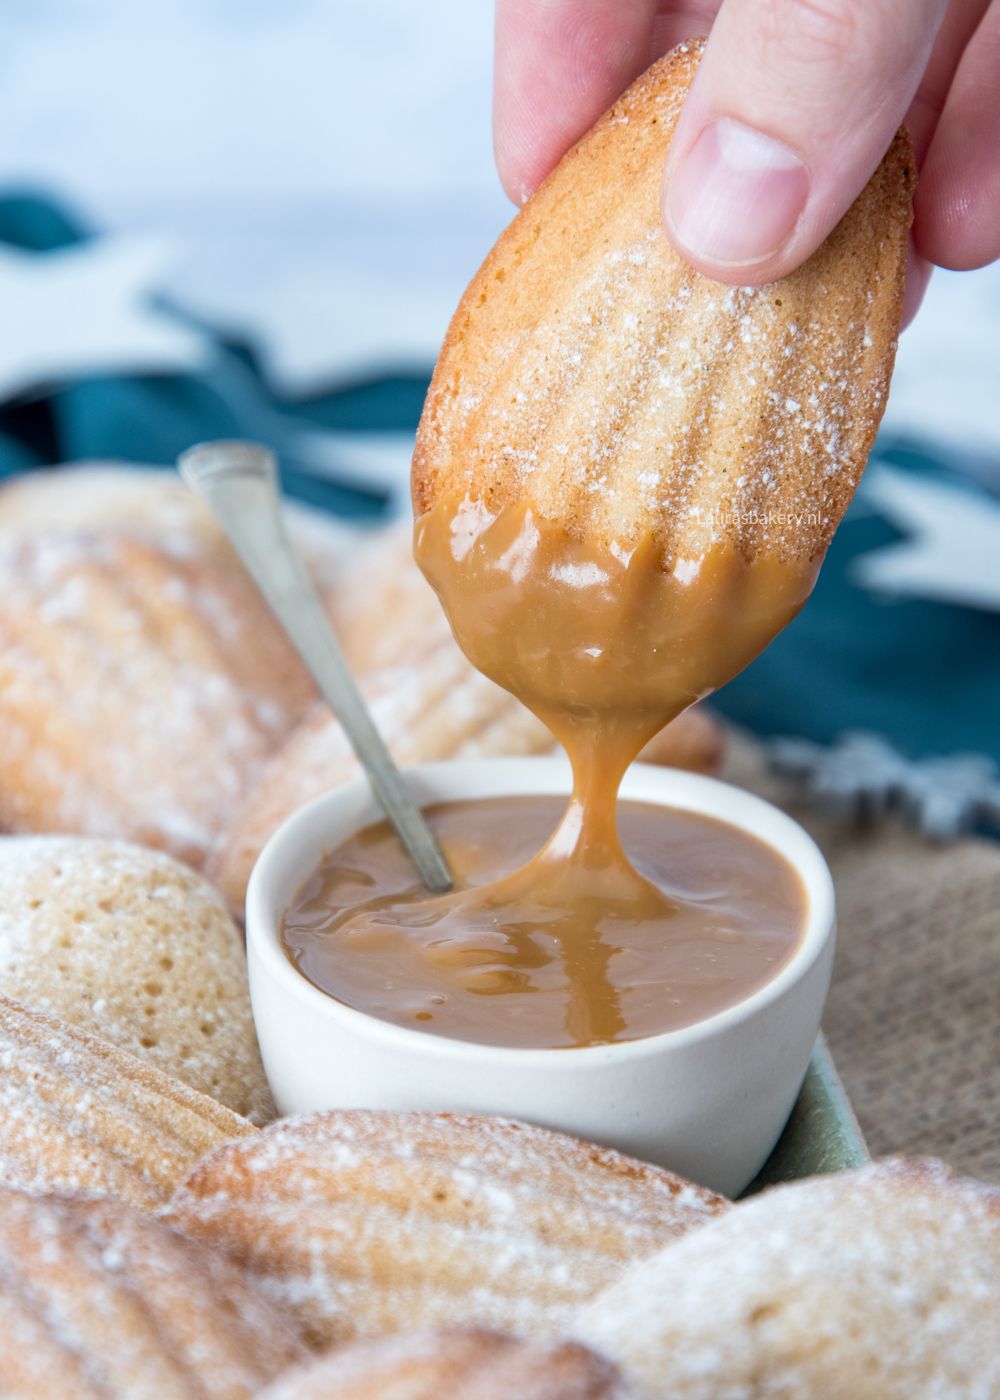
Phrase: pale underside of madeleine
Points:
(590, 371)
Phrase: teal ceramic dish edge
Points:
(822, 1135)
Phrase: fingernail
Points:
(736, 196)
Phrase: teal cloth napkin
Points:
(152, 418)
(924, 675)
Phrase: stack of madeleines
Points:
(161, 1236)
(153, 1243)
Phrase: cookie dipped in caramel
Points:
(626, 477)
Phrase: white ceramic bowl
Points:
(708, 1101)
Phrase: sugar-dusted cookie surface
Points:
(384, 611)
(589, 371)
(466, 1363)
(879, 1284)
(142, 677)
(139, 690)
(130, 945)
(155, 505)
(102, 1302)
(77, 1114)
(366, 1223)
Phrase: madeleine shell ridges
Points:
(591, 371)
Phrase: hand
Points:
(790, 112)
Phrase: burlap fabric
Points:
(913, 1018)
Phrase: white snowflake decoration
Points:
(862, 778)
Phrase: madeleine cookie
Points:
(384, 611)
(131, 945)
(590, 374)
(78, 1114)
(108, 497)
(869, 1285)
(101, 1302)
(139, 689)
(455, 1363)
(155, 505)
(366, 1223)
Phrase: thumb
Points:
(792, 108)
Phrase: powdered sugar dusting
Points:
(591, 370)
(882, 1282)
(100, 1300)
(132, 946)
(137, 694)
(76, 1114)
(367, 1223)
(143, 679)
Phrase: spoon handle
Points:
(239, 482)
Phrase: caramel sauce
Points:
(512, 959)
(586, 941)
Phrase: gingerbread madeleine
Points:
(102, 1302)
(79, 1114)
(142, 677)
(131, 945)
(366, 1223)
(464, 1363)
(626, 475)
(867, 1285)
(139, 690)
(156, 505)
(384, 613)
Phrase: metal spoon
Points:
(239, 482)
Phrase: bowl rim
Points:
(543, 774)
